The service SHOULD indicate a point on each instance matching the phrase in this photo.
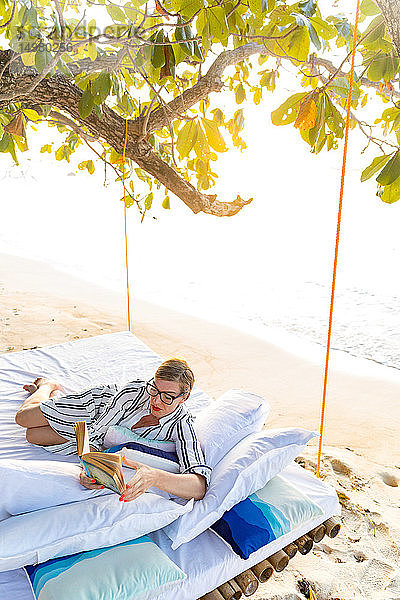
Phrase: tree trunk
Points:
(391, 13)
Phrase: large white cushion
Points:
(228, 420)
(244, 470)
(95, 523)
(29, 485)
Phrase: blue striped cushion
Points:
(135, 569)
(153, 457)
(264, 516)
(154, 453)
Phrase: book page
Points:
(102, 478)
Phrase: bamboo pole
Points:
(263, 570)
(228, 592)
(317, 533)
(247, 582)
(279, 560)
(291, 550)
(332, 527)
(235, 587)
(214, 595)
(304, 544)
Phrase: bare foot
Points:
(39, 381)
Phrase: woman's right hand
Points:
(89, 483)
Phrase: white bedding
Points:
(118, 358)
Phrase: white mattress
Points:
(120, 357)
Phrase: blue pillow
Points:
(264, 516)
(135, 569)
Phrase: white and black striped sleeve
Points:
(190, 454)
(125, 402)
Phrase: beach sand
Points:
(40, 306)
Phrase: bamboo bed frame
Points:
(247, 582)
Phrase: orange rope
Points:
(346, 138)
(126, 229)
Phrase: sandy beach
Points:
(40, 306)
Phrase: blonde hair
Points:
(176, 369)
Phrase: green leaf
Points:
(391, 193)
(87, 164)
(319, 125)
(197, 51)
(323, 28)
(302, 20)
(378, 163)
(240, 94)
(158, 54)
(390, 171)
(201, 146)
(64, 68)
(299, 45)
(218, 23)
(334, 119)
(116, 13)
(166, 203)
(188, 8)
(187, 138)
(218, 116)
(369, 8)
(149, 201)
(214, 136)
(181, 34)
(377, 69)
(86, 103)
(92, 50)
(46, 109)
(101, 87)
(5, 142)
(31, 114)
(340, 87)
(42, 59)
(287, 112)
(211, 24)
(256, 7)
(308, 7)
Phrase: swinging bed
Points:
(206, 560)
(212, 570)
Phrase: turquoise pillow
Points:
(135, 569)
(276, 509)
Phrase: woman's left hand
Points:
(144, 478)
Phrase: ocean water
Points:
(267, 270)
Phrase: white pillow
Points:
(28, 485)
(243, 471)
(95, 523)
(227, 421)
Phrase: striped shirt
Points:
(105, 406)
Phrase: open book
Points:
(105, 468)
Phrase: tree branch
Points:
(61, 93)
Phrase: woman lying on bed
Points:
(153, 409)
